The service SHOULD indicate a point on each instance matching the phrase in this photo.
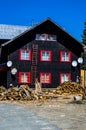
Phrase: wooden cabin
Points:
(44, 52)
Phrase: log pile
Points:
(70, 87)
(18, 93)
(24, 92)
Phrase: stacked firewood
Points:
(24, 92)
(70, 87)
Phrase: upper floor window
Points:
(45, 78)
(37, 36)
(24, 77)
(65, 77)
(46, 37)
(25, 54)
(45, 55)
(53, 37)
(43, 37)
(49, 37)
(65, 56)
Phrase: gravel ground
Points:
(61, 112)
(16, 117)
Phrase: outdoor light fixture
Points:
(75, 63)
(13, 71)
(80, 60)
(9, 63)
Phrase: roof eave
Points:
(32, 28)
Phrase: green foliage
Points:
(84, 34)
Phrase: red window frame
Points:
(49, 81)
(61, 74)
(50, 53)
(69, 54)
(20, 77)
(20, 54)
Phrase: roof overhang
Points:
(29, 36)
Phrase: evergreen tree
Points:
(84, 34)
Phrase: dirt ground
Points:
(62, 111)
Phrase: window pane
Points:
(45, 78)
(48, 37)
(45, 55)
(43, 37)
(37, 36)
(65, 56)
(25, 55)
(65, 77)
(54, 37)
(24, 78)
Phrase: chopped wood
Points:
(70, 87)
(24, 92)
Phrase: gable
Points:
(49, 27)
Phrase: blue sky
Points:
(69, 14)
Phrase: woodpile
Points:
(24, 92)
(70, 87)
(18, 93)
(38, 87)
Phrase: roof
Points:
(50, 26)
(11, 31)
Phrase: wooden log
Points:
(38, 87)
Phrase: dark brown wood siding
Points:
(55, 67)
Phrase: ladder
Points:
(34, 63)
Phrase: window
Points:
(40, 36)
(45, 78)
(37, 36)
(45, 55)
(53, 37)
(43, 37)
(65, 77)
(25, 54)
(24, 77)
(46, 37)
(65, 56)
